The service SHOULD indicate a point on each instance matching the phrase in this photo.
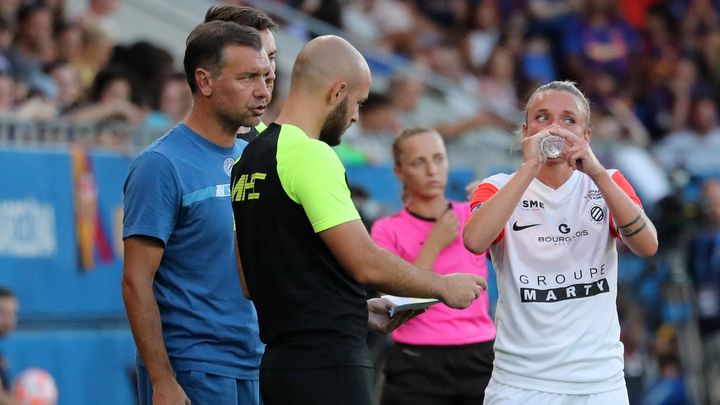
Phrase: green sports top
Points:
(285, 189)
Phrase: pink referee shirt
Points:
(404, 235)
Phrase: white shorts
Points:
(498, 393)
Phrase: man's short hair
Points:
(247, 16)
(6, 293)
(205, 45)
(375, 101)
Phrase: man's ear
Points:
(338, 91)
(523, 130)
(204, 81)
(587, 134)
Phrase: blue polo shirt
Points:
(178, 192)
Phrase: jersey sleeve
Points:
(315, 178)
(483, 193)
(152, 198)
(622, 182)
(384, 236)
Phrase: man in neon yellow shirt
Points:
(305, 254)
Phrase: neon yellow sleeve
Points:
(313, 176)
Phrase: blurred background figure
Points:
(8, 320)
(704, 268)
(443, 356)
(695, 146)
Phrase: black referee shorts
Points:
(437, 375)
(317, 386)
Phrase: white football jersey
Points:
(556, 266)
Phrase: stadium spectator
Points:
(696, 146)
(8, 319)
(97, 47)
(704, 268)
(32, 46)
(112, 102)
(599, 39)
(67, 82)
(377, 125)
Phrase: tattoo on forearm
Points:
(633, 227)
(634, 232)
(631, 223)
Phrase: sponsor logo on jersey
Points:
(565, 293)
(597, 213)
(533, 205)
(594, 194)
(244, 187)
(588, 275)
(567, 236)
(517, 227)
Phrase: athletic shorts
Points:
(437, 375)
(498, 393)
(317, 386)
(204, 388)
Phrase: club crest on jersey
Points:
(597, 213)
(228, 164)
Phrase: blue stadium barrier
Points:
(38, 246)
(89, 366)
(39, 262)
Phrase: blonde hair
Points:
(568, 87)
(405, 134)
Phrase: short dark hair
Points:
(28, 9)
(109, 74)
(205, 45)
(6, 293)
(375, 101)
(247, 16)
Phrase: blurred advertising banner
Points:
(60, 214)
(93, 242)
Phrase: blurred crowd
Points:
(56, 67)
(651, 69)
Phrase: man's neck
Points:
(210, 129)
(302, 114)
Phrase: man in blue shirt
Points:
(196, 334)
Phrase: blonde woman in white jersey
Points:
(551, 228)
